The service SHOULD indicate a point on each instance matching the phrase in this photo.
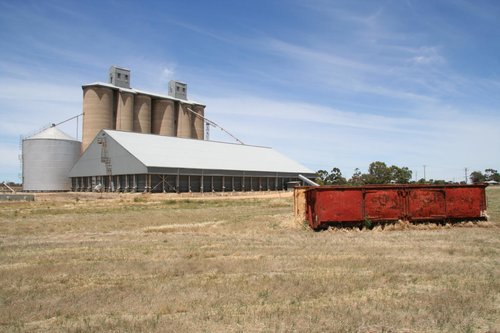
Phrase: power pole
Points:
(466, 175)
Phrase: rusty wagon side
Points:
(324, 206)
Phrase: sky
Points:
(328, 83)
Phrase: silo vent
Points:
(177, 89)
(119, 77)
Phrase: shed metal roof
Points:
(157, 152)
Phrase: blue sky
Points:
(327, 83)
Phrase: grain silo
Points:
(97, 112)
(142, 114)
(197, 131)
(185, 121)
(163, 117)
(115, 105)
(47, 159)
(124, 111)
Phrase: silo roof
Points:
(53, 133)
(142, 92)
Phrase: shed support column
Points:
(243, 183)
(260, 184)
(212, 183)
(202, 181)
(189, 184)
(223, 183)
(232, 182)
(134, 183)
(118, 184)
(126, 183)
(177, 182)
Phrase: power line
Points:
(208, 121)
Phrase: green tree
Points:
(378, 173)
(491, 174)
(476, 177)
(400, 175)
(335, 177)
(322, 175)
(356, 178)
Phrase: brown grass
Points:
(80, 263)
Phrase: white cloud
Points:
(34, 90)
(167, 74)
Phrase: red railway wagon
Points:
(347, 205)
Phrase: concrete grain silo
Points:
(142, 114)
(198, 128)
(185, 121)
(163, 117)
(97, 112)
(47, 160)
(124, 111)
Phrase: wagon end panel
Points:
(334, 206)
(466, 202)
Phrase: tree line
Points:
(378, 173)
(488, 175)
(381, 173)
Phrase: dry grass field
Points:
(160, 263)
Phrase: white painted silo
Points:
(47, 159)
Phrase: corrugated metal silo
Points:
(97, 112)
(198, 128)
(47, 159)
(163, 117)
(142, 114)
(125, 111)
(184, 121)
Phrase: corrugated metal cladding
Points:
(127, 161)
(47, 159)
